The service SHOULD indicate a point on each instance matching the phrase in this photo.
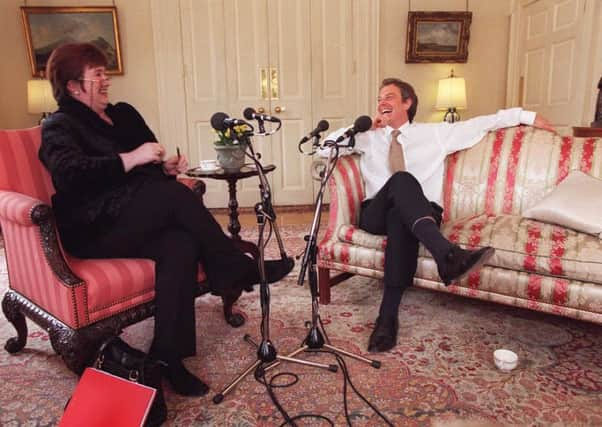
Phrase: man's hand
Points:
(543, 123)
(379, 121)
(175, 165)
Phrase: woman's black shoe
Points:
(182, 381)
(275, 270)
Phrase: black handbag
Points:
(118, 358)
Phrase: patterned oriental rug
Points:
(441, 373)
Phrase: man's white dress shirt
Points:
(425, 146)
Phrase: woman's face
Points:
(92, 88)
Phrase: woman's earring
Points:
(76, 92)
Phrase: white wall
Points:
(485, 71)
(137, 86)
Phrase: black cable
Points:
(347, 379)
(288, 420)
(269, 385)
(326, 338)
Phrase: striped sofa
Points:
(80, 302)
(539, 266)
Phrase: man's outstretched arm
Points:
(542, 123)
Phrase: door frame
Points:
(169, 64)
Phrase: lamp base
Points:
(451, 115)
(44, 117)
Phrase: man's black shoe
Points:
(459, 262)
(384, 335)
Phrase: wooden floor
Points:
(285, 216)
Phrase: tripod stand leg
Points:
(374, 363)
(290, 358)
(331, 368)
(220, 396)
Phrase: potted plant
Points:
(230, 147)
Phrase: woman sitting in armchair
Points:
(117, 197)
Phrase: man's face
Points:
(391, 108)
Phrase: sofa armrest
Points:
(346, 188)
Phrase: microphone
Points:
(221, 121)
(322, 126)
(251, 114)
(361, 124)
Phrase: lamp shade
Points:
(451, 93)
(39, 97)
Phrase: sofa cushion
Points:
(574, 203)
(521, 244)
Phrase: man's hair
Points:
(407, 91)
(67, 62)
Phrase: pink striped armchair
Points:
(538, 266)
(80, 302)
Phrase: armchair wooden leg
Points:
(10, 307)
(324, 285)
(79, 348)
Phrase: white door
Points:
(550, 58)
(292, 58)
(289, 90)
(224, 46)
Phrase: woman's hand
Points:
(149, 152)
(175, 165)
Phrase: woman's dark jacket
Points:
(81, 151)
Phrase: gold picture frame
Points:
(49, 27)
(438, 37)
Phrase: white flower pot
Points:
(231, 157)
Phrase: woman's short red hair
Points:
(67, 62)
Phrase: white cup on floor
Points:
(505, 360)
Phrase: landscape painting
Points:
(49, 27)
(438, 36)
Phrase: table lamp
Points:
(39, 98)
(451, 96)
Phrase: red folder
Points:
(102, 399)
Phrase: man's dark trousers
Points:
(393, 212)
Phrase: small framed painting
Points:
(438, 36)
(49, 27)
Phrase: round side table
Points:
(246, 171)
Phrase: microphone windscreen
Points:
(248, 113)
(323, 125)
(362, 124)
(217, 121)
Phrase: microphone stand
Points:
(266, 351)
(315, 338)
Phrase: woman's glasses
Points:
(97, 80)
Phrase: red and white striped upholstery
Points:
(79, 292)
(538, 266)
